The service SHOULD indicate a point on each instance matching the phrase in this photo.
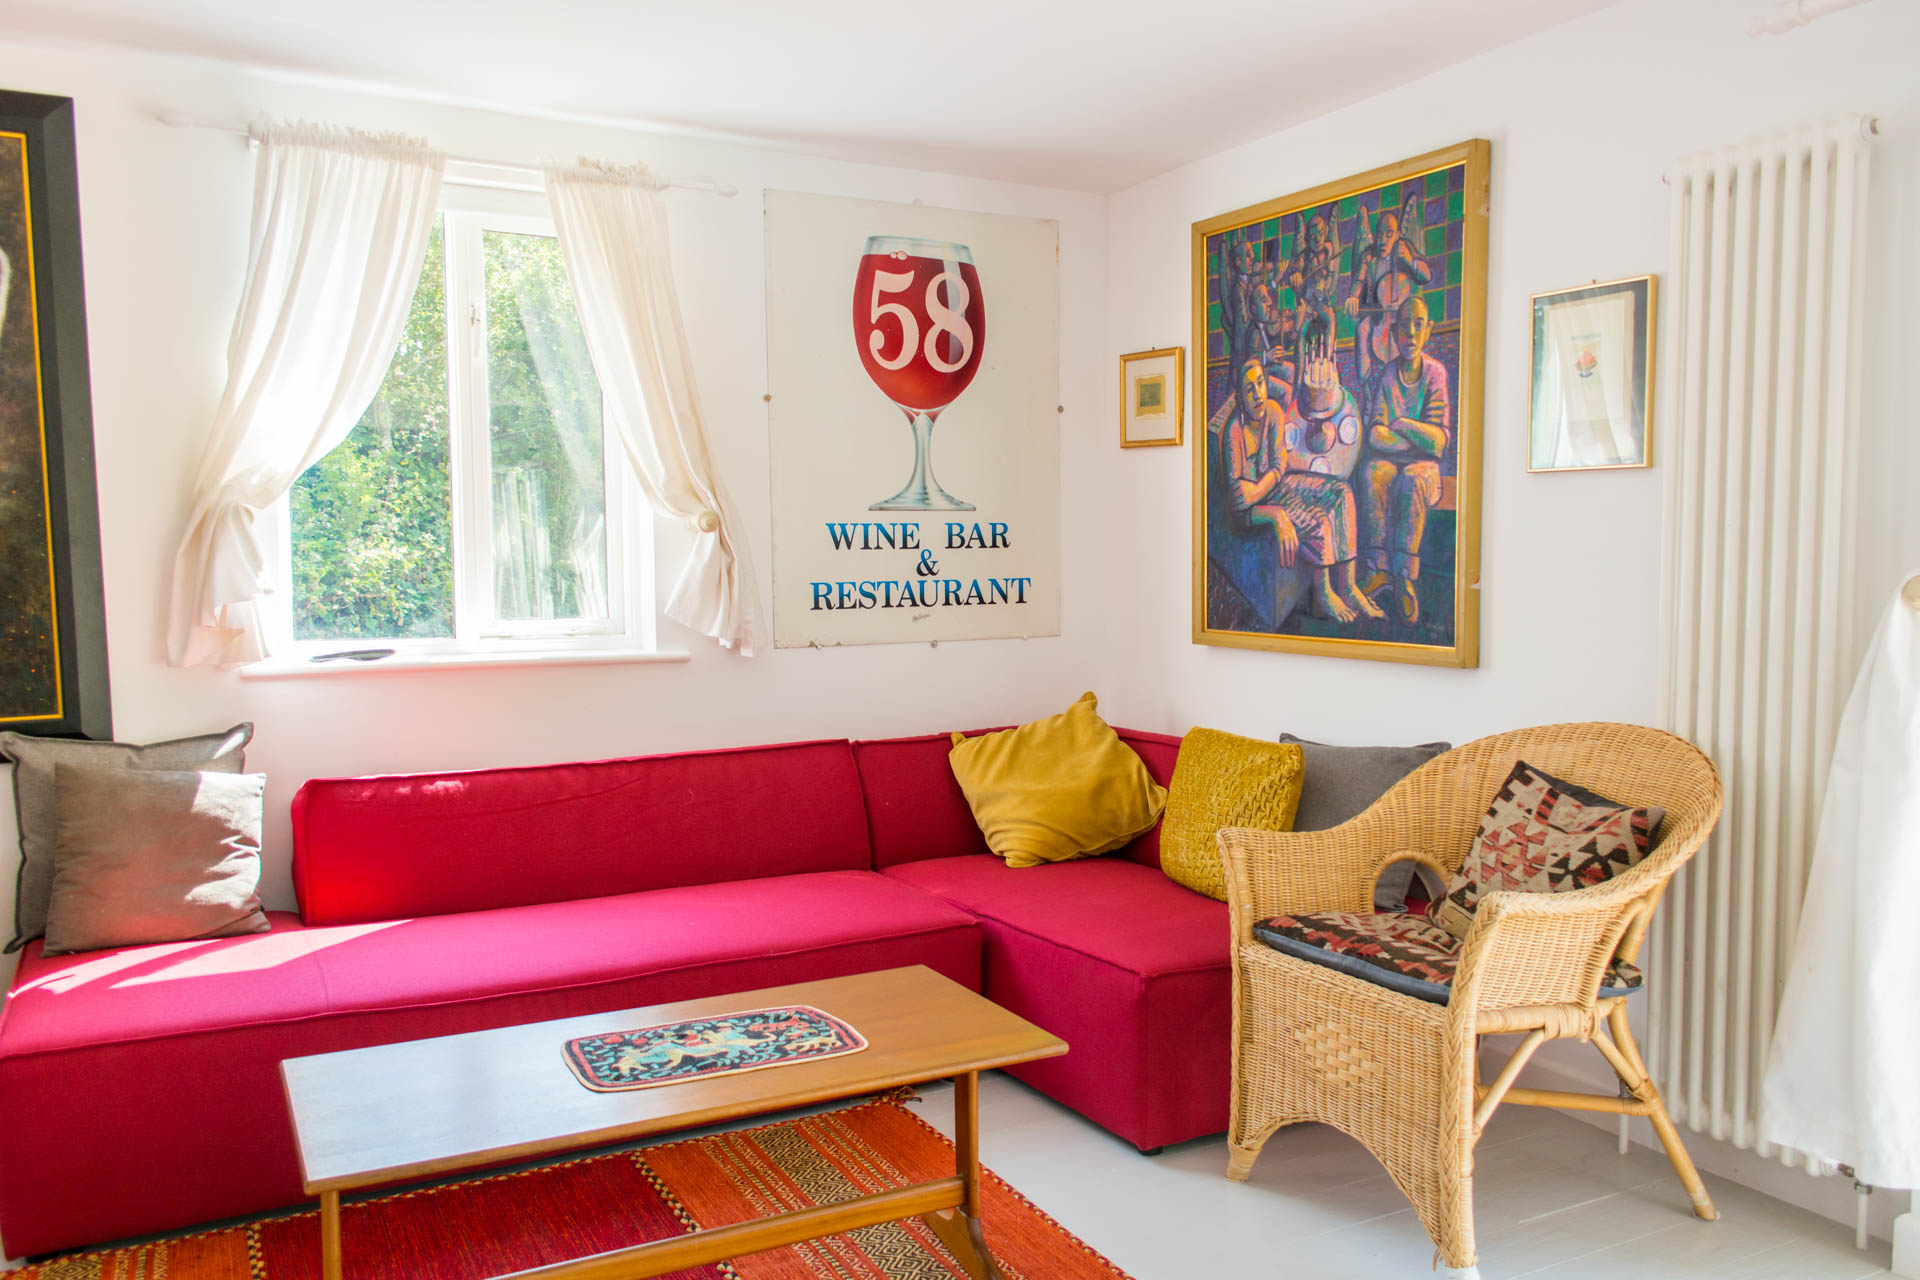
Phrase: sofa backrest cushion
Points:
(385, 848)
(1159, 751)
(916, 811)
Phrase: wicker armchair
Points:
(1400, 1074)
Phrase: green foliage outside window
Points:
(373, 520)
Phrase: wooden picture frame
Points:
(1153, 398)
(1349, 537)
(1590, 407)
(53, 634)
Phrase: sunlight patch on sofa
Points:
(259, 951)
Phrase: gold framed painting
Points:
(1152, 397)
(1340, 335)
(1591, 407)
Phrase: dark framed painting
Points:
(53, 634)
(1340, 339)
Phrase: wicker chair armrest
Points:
(1273, 872)
(1531, 949)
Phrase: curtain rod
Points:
(176, 120)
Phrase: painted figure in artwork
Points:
(1408, 427)
(1280, 326)
(1240, 297)
(1314, 276)
(1387, 271)
(1281, 463)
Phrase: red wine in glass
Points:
(920, 324)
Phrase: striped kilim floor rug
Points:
(506, 1222)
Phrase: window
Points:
(476, 504)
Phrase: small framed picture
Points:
(1152, 394)
(1593, 377)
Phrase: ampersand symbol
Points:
(928, 566)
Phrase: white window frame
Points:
(470, 206)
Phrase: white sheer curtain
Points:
(613, 234)
(340, 227)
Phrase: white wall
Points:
(1583, 120)
(165, 213)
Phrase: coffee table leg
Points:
(960, 1230)
(330, 1235)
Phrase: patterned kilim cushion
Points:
(715, 1046)
(1542, 835)
(1398, 950)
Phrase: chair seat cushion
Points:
(1395, 949)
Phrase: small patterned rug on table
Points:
(507, 1222)
(670, 1052)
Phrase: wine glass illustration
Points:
(919, 323)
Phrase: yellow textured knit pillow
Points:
(1224, 780)
(1059, 788)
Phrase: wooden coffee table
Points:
(426, 1108)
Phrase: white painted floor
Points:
(1553, 1195)
(1555, 1199)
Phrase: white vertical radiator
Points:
(1760, 410)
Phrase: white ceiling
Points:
(1087, 94)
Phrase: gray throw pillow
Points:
(147, 855)
(34, 761)
(1342, 781)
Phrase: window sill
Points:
(294, 668)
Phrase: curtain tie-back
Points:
(705, 521)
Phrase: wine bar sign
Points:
(913, 371)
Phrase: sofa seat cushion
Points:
(1127, 967)
(136, 993)
(115, 1066)
(1111, 910)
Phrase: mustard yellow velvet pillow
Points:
(1224, 780)
(1059, 788)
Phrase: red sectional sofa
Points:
(139, 1088)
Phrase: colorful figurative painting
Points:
(1336, 482)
